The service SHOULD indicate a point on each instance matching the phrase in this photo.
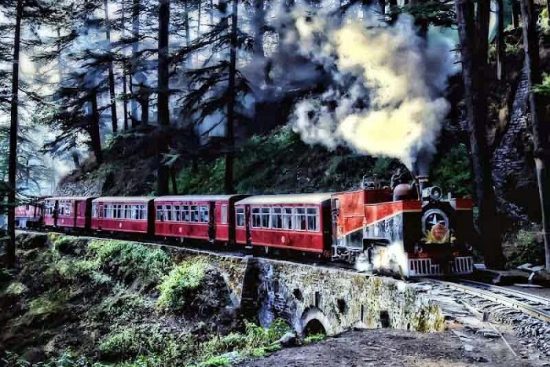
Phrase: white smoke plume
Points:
(385, 98)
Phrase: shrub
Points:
(179, 284)
(16, 289)
(217, 361)
(255, 342)
(49, 303)
(452, 171)
(130, 260)
(314, 338)
(525, 246)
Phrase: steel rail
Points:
(534, 306)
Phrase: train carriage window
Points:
(240, 217)
(142, 212)
(265, 217)
(224, 214)
(300, 219)
(204, 214)
(276, 218)
(194, 213)
(312, 221)
(287, 218)
(256, 218)
(160, 213)
(177, 213)
(128, 211)
(186, 213)
(168, 213)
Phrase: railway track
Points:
(532, 305)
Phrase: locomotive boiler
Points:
(412, 230)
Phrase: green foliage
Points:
(49, 303)
(525, 246)
(256, 341)
(217, 361)
(15, 289)
(453, 171)
(131, 261)
(180, 282)
(315, 338)
(122, 305)
(544, 87)
(63, 244)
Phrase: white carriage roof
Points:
(79, 198)
(123, 199)
(193, 198)
(317, 198)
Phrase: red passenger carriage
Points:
(203, 217)
(295, 222)
(28, 215)
(67, 212)
(123, 214)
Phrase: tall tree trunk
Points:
(258, 21)
(12, 165)
(136, 9)
(95, 134)
(163, 109)
(144, 102)
(500, 39)
(539, 123)
(516, 11)
(382, 5)
(229, 156)
(473, 34)
(124, 70)
(112, 95)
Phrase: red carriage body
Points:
(204, 217)
(295, 222)
(67, 212)
(122, 214)
(27, 215)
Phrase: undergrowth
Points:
(177, 286)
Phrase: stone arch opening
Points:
(313, 321)
(314, 327)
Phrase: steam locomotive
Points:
(410, 231)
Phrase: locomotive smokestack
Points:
(423, 182)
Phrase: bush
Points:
(255, 342)
(179, 284)
(131, 261)
(49, 303)
(525, 246)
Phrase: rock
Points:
(288, 340)
(488, 334)
(468, 348)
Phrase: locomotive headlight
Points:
(433, 193)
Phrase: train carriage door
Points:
(212, 221)
(335, 215)
(55, 212)
(75, 209)
(247, 225)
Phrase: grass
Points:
(178, 285)
(49, 303)
(315, 338)
(130, 261)
(15, 289)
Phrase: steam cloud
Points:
(384, 98)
